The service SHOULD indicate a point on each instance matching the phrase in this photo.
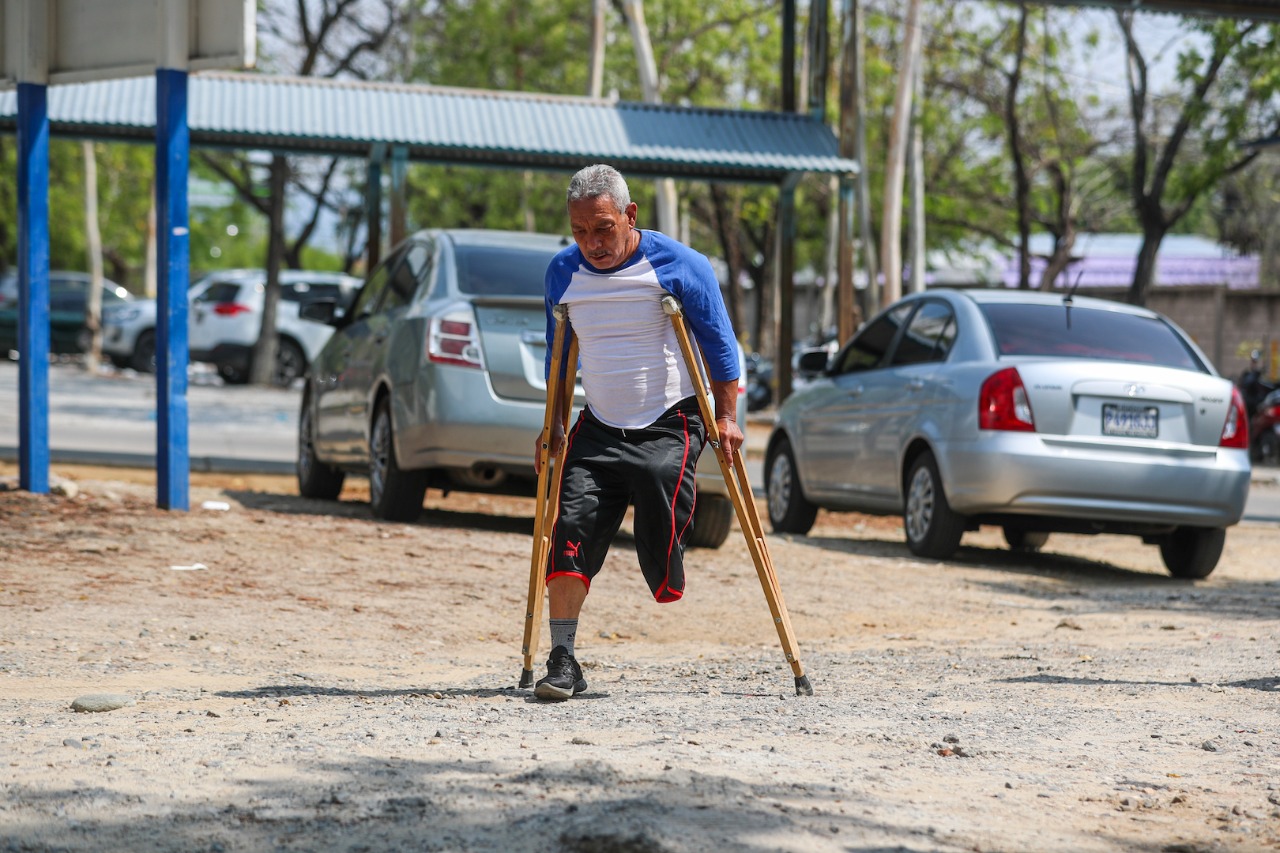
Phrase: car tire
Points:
(394, 494)
(789, 510)
(144, 352)
(315, 478)
(291, 363)
(712, 520)
(933, 529)
(1027, 541)
(1191, 553)
(233, 375)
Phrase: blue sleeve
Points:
(689, 277)
(556, 282)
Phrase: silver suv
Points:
(225, 311)
(435, 378)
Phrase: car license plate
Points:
(1131, 421)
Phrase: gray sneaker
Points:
(564, 677)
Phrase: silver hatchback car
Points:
(1035, 412)
(434, 378)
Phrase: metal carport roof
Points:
(438, 124)
(1257, 9)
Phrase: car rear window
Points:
(220, 291)
(496, 271)
(1074, 332)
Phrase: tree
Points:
(1184, 143)
(890, 239)
(328, 38)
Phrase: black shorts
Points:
(608, 469)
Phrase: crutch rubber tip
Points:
(526, 678)
(803, 687)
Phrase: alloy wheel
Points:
(379, 456)
(920, 505)
(781, 483)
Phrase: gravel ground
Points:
(326, 682)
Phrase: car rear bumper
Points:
(451, 418)
(236, 356)
(1117, 481)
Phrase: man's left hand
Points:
(731, 437)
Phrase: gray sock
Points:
(562, 633)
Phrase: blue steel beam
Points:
(33, 287)
(173, 458)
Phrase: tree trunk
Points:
(595, 61)
(93, 241)
(665, 188)
(915, 180)
(862, 189)
(1145, 272)
(1021, 182)
(264, 351)
(726, 219)
(891, 227)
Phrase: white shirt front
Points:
(632, 367)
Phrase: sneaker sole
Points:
(550, 691)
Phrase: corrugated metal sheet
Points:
(310, 115)
(1254, 9)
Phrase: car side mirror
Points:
(320, 311)
(813, 362)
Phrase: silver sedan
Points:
(1035, 412)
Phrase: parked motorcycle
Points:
(1264, 431)
(759, 382)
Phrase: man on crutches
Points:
(639, 437)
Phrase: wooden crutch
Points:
(735, 478)
(549, 474)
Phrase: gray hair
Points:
(599, 180)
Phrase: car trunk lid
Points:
(513, 336)
(1125, 402)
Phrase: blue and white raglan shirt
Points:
(632, 369)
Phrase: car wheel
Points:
(315, 479)
(233, 375)
(291, 363)
(789, 511)
(712, 520)
(1025, 540)
(1192, 553)
(394, 494)
(933, 530)
(144, 352)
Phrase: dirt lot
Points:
(303, 678)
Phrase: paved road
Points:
(110, 418)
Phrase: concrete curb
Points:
(147, 461)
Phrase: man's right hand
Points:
(557, 442)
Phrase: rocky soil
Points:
(291, 675)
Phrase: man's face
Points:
(601, 232)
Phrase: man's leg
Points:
(592, 504)
(565, 595)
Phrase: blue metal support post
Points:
(33, 287)
(173, 462)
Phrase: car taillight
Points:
(1235, 432)
(1003, 403)
(230, 309)
(454, 339)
